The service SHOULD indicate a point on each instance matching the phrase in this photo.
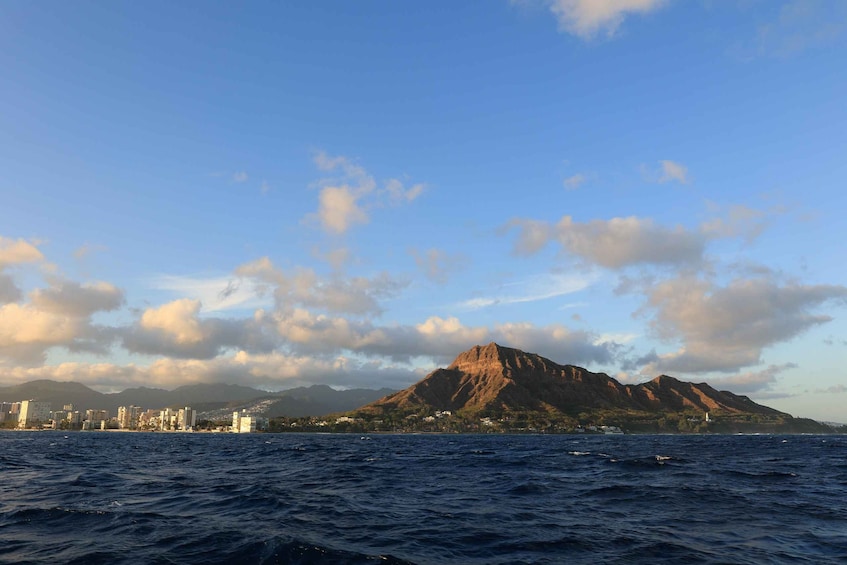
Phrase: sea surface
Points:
(101, 497)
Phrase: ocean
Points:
(101, 497)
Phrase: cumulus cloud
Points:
(177, 329)
(587, 18)
(615, 243)
(58, 316)
(16, 251)
(344, 201)
(335, 293)
(77, 300)
(339, 210)
(724, 328)
(9, 291)
(436, 338)
(177, 318)
(268, 371)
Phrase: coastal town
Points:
(39, 415)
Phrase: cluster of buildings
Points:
(34, 414)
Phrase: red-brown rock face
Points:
(500, 378)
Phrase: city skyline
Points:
(352, 194)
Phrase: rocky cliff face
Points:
(497, 378)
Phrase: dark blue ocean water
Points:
(98, 497)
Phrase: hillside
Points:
(497, 379)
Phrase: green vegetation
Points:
(426, 420)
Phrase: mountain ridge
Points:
(495, 378)
(315, 400)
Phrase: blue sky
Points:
(351, 193)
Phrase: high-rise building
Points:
(34, 413)
(186, 418)
(168, 419)
(128, 417)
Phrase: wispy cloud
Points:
(240, 177)
(574, 181)
(532, 289)
(797, 26)
(438, 265)
(215, 293)
(673, 171)
(87, 249)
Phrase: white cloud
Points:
(78, 300)
(737, 221)
(16, 251)
(215, 293)
(574, 181)
(335, 293)
(533, 235)
(725, 328)
(345, 201)
(533, 289)
(615, 243)
(339, 210)
(240, 177)
(87, 249)
(399, 194)
(673, 171)
(176, 329)
(267, 371)
(177, 318)
(436, 337)
(587, 18)
(58, 316)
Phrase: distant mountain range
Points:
(488, 381)
(316, 400)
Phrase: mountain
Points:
(497, 379)
(316, 400)
(56, 393)
(319, 400)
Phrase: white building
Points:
(128, 417)
(186, 419)
(167, 419)
(243, 423)
(34, 413)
